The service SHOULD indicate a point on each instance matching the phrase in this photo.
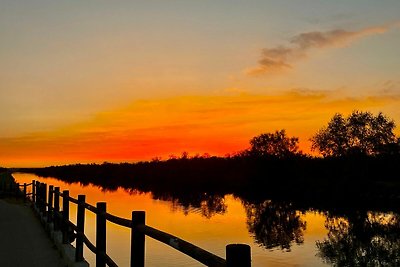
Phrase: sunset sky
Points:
(122, 81)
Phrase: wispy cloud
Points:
(282, 57)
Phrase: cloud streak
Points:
(282, 57)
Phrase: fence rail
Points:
(46, 199)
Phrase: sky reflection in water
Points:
(279, 234)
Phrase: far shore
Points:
(362, 181)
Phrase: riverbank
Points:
(371, 183)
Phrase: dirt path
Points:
(23, 241)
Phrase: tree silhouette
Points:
(275, 225)
(359, 133)
(274, 144)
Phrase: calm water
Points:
(278, 234)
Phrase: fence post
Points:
(33, 192)
(101, 234)
(238, 255)
(44, 199)
(65, 217)
(137, 239)
(50, 209)
(80, 224)
(37, 184)
(24, 192)
(17, 191)
(40, 194)
(56, 212)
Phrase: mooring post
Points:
(137, 239)
(101, 234)
(24, 192)
(50, 209)
(56, 212)
(238, 255)
(80, 224)
(33, 192)
(65, 217)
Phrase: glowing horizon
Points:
(128, 81)
(217, 125)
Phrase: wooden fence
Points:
(46, 199)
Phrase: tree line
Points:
(361, 169)
(274, 180)
(360, 133)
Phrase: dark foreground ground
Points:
(23, 241)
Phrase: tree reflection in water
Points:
(363, 239)
(207, 205)
(274, 224)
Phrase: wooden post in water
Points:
(56, 212)
(65, 217)
(24, 192)
(101, 234)
(238, 255)
(80, 224)
(50, 209)
(137, 239)
(33, 192)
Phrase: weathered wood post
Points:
(80, 224)
(65, 217)
(17, 191)
(37, 185)
(101, 234)
(33, 192)
(24, 192)
(56, 212)
(40, 194)
(238, 255)
(44, 199)
(137, 239)
(50, 209)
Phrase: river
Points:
(278, 234)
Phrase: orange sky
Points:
(197, 124)
(133, 80)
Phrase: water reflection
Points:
(275, 224)
(362, 239)
(207, 205)
(353, 238)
